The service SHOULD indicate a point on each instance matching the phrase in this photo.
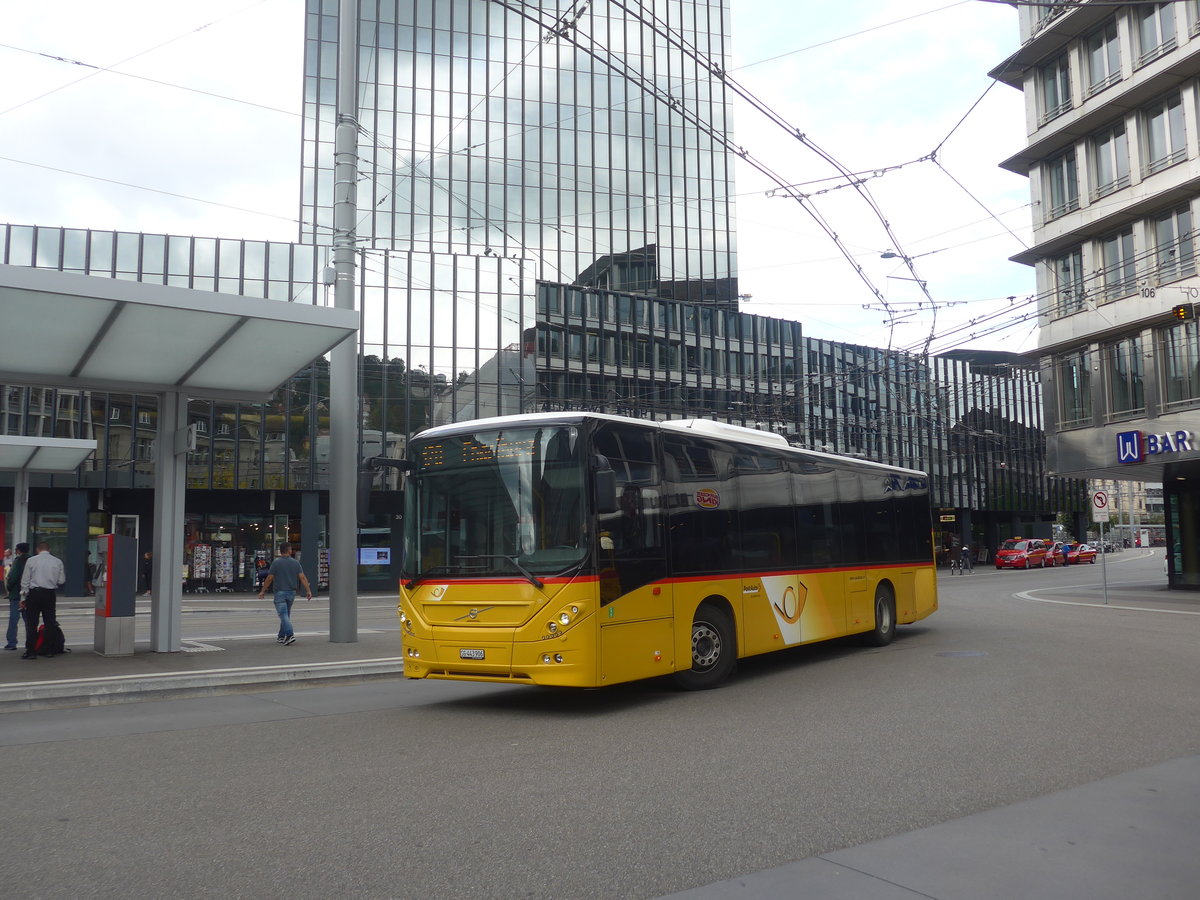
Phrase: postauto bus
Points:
(582, 549)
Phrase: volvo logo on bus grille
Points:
(1129, 447)
(474, 614)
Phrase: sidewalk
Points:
(251, 660)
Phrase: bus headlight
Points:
(558, 657)
(552, 627)
(565, 618)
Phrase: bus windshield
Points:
(498, 502)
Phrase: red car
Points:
(1082, 553)
(1023, 553)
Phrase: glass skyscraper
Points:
(583, 139)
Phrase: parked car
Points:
(1055, 555)
(1022, 553)
(1082, 553)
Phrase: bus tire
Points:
(885, 618)
(714, 649)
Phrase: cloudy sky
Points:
(873, 83)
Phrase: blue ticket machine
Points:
(116, 593)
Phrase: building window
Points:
(114, 414)
(1110, 158)
(1193, 7)
(1175, 255)
(1068, 286)
(1166, 143)
(1103, 58)
(549, 300)
(1062, 184)
(1075, 389)
(143, 418)
(1180, 363)
(1124, 370)
(1119, 272)
(1055, 78)
(549, 342)
(1155, 31)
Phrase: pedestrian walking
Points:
(956, 558)
(12, 586)
(39, 595)
(286, 577)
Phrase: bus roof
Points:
(706, 427)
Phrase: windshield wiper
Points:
(421, 576)
(533, 579)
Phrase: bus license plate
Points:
(470, 654)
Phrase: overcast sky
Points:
(870, 90)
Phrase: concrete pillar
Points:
(170, 470)
(310, 527)
(77, 542)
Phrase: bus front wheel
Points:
(714, 651)
(885, 618)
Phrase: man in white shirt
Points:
(39, 585)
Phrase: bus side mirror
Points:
(606, 487)
(366, 481)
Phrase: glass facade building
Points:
(578, 138)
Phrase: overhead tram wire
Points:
(140, 187)
(851, 35)
(721, 138)
(700, 59)
(236, 12)
(179, 87)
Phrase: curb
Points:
(74, 692)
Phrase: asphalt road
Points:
(427, 789)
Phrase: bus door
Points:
(636, 602)
(851, 526)
(773, 599)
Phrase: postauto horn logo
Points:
(1135, 446)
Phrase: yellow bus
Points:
(582, 549)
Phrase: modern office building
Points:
(1113, 159)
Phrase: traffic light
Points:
(1183, 311)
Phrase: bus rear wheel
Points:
(885, 618)
(714, 651)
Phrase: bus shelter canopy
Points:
(84, 332)
(38, 454)
(94, 333)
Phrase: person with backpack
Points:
(40, 581)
